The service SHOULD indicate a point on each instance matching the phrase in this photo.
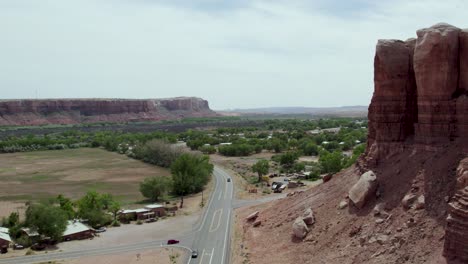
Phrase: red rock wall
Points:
(421, 91)
(64, 111)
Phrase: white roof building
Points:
(29, 232)
(5, 236)
(74, 227)
(153, 206)
(4, 230)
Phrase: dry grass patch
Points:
(43, 174)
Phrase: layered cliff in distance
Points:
(415, 208)
(74, 111)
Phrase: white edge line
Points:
(225, 236)
(212, 253)
(209, 205)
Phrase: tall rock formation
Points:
(72, 111)
(420, 104)
(421, 92)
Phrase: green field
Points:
(72, 172)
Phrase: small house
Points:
(143, 213)
(5, 240)
(127, 215)
(77, 230)
(32, 234)
(157, 209)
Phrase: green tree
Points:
(331, 162)
(47, 220)
(190, 173)
(114, 208)
(261, 168)
(12, 220)
(288, 159)
(67, 206)
(154, 188)
(91, 207)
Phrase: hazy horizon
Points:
(235, 54)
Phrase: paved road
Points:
(210, 236)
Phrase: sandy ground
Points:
(159, 256)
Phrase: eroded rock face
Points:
(363, 189)
(420, 93)
(63, 111)
(456, 231)
(462, 174)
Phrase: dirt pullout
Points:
(350, 235)
(159, 255)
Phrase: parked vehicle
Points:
(278, 187)
(194, 254)
(101, 229)
(38, 246)
(18, 246)
(150, 220)
(172, 242)
(3, 250)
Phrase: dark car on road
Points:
(172, 242)
(229, 180)
(194, 254)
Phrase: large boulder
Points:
(308, 216)
(363, 189)
(300, 228)
(408, 200)
(252, 216)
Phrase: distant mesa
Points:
(75, 111)
(343, 111)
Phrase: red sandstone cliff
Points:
(417, 148)
(73, 111)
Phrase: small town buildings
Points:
(5, 239)
(143, 213)
(77, 230)
(157, 209)
(136, 214)
(30, 233)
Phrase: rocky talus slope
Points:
(74, 111)
(405, 201)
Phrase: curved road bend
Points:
(210, 237)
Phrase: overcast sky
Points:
(234, 53)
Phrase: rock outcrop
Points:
(72, 111)
(363, 189)
(456, 232)
(300, 228)
(421, 92)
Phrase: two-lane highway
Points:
(213, 236)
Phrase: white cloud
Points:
(259, 53)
